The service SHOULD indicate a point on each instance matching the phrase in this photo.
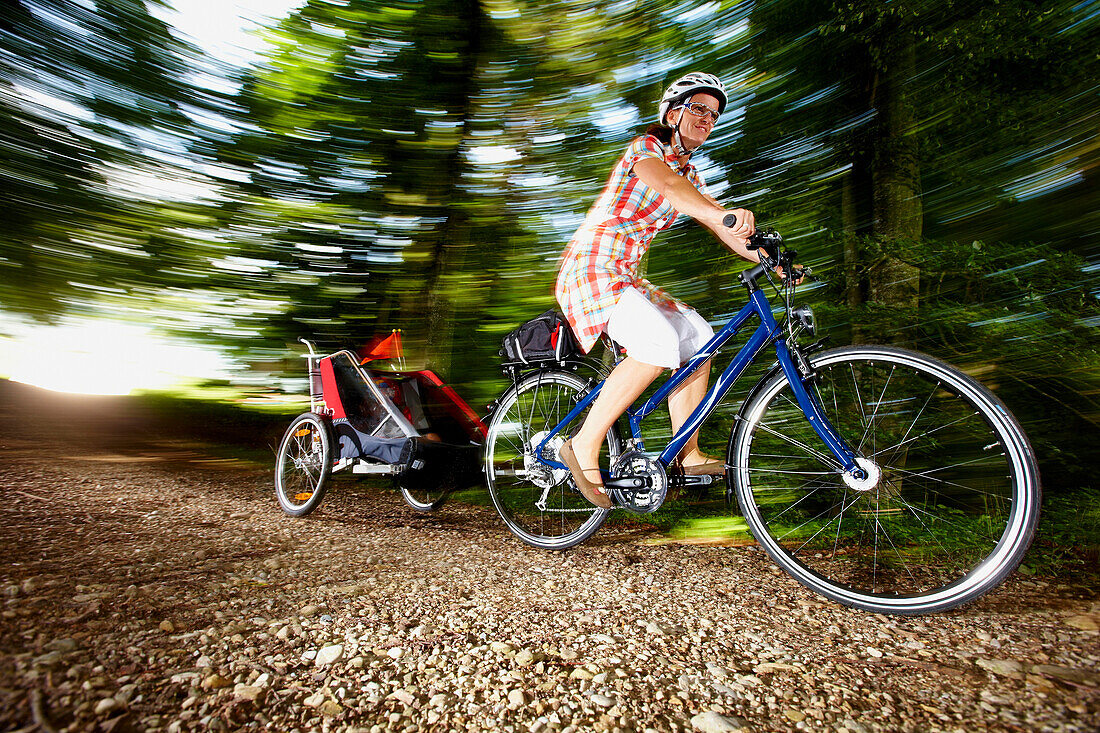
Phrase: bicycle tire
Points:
(422, 499)
(952, 513)
(304, 464)
(540, 506)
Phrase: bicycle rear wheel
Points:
(303, 465)
(951, 503)
(538, 504)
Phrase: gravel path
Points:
(150, 587)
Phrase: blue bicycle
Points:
(879, 477)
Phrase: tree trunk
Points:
(853, 294)
(897, 204)
(453, 238)
(853, 275)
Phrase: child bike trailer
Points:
(408, 425)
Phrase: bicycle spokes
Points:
(538, 502)
(942, 506)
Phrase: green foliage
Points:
(713, 529)
(81, 112)
(1020, 318)
(993, 86)
(421, 165)
(1067, 543)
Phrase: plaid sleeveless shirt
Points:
(602, 258)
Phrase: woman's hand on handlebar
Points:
(799, 272)
(744, 222)
(787, 264)
(735, 237)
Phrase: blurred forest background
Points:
(421, 164)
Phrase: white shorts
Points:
(654, 335)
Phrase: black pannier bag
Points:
(545, 338)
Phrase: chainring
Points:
(645, 500)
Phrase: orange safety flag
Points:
(388, 347)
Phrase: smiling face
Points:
(694, 130)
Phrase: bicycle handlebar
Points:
(769, 241)
(774, 256)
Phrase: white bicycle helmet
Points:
(687, 86)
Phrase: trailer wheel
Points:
(303, 465)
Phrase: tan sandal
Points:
(590, 491)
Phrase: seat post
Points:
(614, 352)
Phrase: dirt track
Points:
(150, 586)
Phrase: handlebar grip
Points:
(729, 220)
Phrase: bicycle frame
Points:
(767, 331)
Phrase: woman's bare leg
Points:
(625, 383)
(681, 403)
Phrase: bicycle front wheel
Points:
(539, 504)
(950, 504)
(304, 463)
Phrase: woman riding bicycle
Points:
(600, 290)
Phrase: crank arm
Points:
(680, 480)
(628, 482)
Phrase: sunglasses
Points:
(701, 110)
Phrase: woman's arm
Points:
(687, 199)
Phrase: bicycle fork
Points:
(847, 459)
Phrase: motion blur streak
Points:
(420, 164)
